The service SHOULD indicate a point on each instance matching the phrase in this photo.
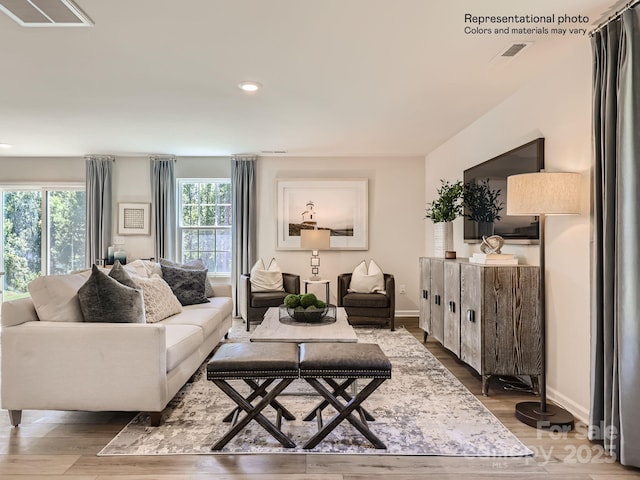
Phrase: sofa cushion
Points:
(55, 297)
(159, 300)
(367, 280)
(182, 341)
(267, 299)
(187, 285)
(197, 264)
(208, 319)
(266, 279)
(365, 300)
(104, 299)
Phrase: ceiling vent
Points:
(45, 13)
(507, 54)
(514, 49)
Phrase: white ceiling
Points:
(341, 77)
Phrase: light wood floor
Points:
(63, 445)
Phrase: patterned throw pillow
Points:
(159, 300)
(104, 299)
(187, 285)
(192, 265)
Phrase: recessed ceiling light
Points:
(249, 86)
(5, 145)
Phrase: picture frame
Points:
(133, 218)
(337, 204)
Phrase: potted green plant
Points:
(442, 211)
(483, 205)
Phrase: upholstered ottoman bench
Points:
(349, 362)
(274, 364)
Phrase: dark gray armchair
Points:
(253, 305)
(368, 308)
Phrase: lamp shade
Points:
(315, 239)
(543, 193)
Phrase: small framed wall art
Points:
(133, 219)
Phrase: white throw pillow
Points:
(266, 279)
(141, 268)
(55, 297)
(159, 300)
(365, 280)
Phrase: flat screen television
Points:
(526, 158)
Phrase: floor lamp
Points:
(540, 194)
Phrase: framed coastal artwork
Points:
(339, 205)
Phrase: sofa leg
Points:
(393, 325)
(15, 417)
(154, 418)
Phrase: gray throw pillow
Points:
(192, 265)
(121, 275)
(105, 299)
(187, 285)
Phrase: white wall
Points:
(396, 207)
(555, 105)
(131, 183)
(396, 210)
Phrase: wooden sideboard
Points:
(486, 315)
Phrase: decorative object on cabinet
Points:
(315, 240)
(543, 193)
(339, 205)
(492, 244)
(482, 205)
(133, 219)
(442, 211)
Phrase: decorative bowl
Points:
(309, 314)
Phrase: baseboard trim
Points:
(579, 412)
(407, 313)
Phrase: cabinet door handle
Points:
(425, 294)
(471, 315)
(452, 307)
(437, 299)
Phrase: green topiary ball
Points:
(292, 301)
(308, 299)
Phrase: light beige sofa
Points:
(71, 365)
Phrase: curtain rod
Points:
(615, 16)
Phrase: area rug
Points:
(422, 410)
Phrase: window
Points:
(43, 233)
(204, 223)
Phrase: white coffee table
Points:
(271, 330)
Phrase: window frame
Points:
(179, 224)
(44, 188)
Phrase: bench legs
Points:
(345, 411)
(253, 413)
(341, 390)
(260, 390)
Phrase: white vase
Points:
(442, 238)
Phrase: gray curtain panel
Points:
(99, 207)
(615, 337)
(163, 206)
(244, 218)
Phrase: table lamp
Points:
(315, 240)
(540, 194)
